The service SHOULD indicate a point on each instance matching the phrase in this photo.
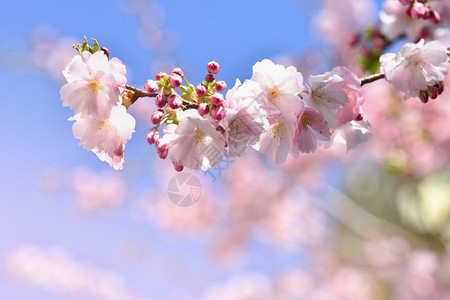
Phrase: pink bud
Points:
(162, 149)
(157, 116)
(221, 85)
(433, 92)
(218, 112)
(175, 80)
(209, 78)
(201, 90)
(440, 86)
(177, 167)
(423, 96)
(420, 11)
(375, 33)
(203, 109)
(160, 76)
(359, 117)
(174, 101)
(353, 40)
(406, 2)
(435, 17)
(378, 42)
(213, 67)
(408, 11)
(177, 71)
(365, 52)
(119, 151)
(160, 100)
(152, 136)
(216, 99)
(151, 86)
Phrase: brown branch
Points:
(371, 78)
(140, 93)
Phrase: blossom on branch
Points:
(105, 137)
(416, 67)
(194, 143)
(325, 95)
(94, 84)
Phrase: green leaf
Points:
(96, 46)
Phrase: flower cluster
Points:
(93, 91)
(418, 69)
(420, 9)
(274, 112)
(420, 19)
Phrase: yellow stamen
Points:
(94, 85)
(306, 121)
(198, 136)
(102, 124)
(277, 130)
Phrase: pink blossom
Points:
(194, 142)
(244, 122)
(94, 84)
(311, 127)
(325, 95)
(352, 86)
(280, 87)
(278, 140)
(104, 135)
(416, 66)
(351, 134)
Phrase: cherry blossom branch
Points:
(372, 78)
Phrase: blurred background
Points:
(372, 223)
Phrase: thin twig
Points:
(371, 78)
(140, 93)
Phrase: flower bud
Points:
(354, 40)
(420, 11)
(201, 90)
(213, 67)
(162, 149)
(152, 136)
(177, 167)
(203, 109)
(161, 100)
(433, 92)
(440, 86)
(406, 2)
(177, 71)
(221, 85)
(378, 42)
(359, 117)
(174, 101)
(209, 78)
(160, 76)
(435, 17)
(175, 80)
(423, 96)
(119, 151)
(218, 112)
(216, 99)
(157, 116)
(151, 86)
